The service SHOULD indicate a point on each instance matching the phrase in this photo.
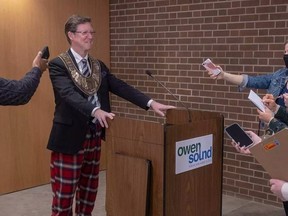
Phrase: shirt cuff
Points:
(149, 103)
(277, 108)
(94, 110)
(284, 191)
(270, 119)
(244, 82)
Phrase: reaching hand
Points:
(39, 62)
(266, 116)
(102, 116)
(160, 109)
(219, 76)
(255, 138)
(269, 102)
(244, 150)
(276, 186)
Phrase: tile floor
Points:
(36, 202)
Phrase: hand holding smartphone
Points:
(208, 64)
(235, 132)
(45, 53)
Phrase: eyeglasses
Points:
(85, 33)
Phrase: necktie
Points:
(85, 68)
(93, 98)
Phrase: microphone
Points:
(149, 73)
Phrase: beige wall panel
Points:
(26, 26)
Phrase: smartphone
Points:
(45, 53)
(208, 64)
(235, 132)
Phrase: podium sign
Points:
(193, 153)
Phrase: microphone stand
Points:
(155, 79)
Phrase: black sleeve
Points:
(19, 92)
(275, 125)
(282, 114)
(123, 89)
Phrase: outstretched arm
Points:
(231, 78)
(19, 92)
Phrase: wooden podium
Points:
(141, 179)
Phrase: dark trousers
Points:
(285, 204)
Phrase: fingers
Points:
(37, 60)
(268, 96)
(272, 181)
(104, 119)
(270, 104)
(171, 107)
(160, 109)
(213, 76)
(259, 111)
(102, 116)
(236, 145)
(285, 97)
(39, 54)
(250, 133)
(159, 112)
(276, 181)
(240, 149)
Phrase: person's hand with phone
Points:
(214, 71)
(245, 149)
(218, 76)
(40, 62)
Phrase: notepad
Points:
(257, 101)
(272, 153)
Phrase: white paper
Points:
(256, 100)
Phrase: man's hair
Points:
(73, 22)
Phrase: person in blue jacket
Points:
(275, 83)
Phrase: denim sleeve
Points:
(244, 82)
(259, 82)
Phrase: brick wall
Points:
(172, 38)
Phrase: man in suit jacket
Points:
(81, 87)
(19, 92)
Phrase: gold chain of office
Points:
(89, 85)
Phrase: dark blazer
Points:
(19, 92)
(276, 125)
(72, 109)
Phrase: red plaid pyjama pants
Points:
(76, 175)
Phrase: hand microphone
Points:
(149, 73)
